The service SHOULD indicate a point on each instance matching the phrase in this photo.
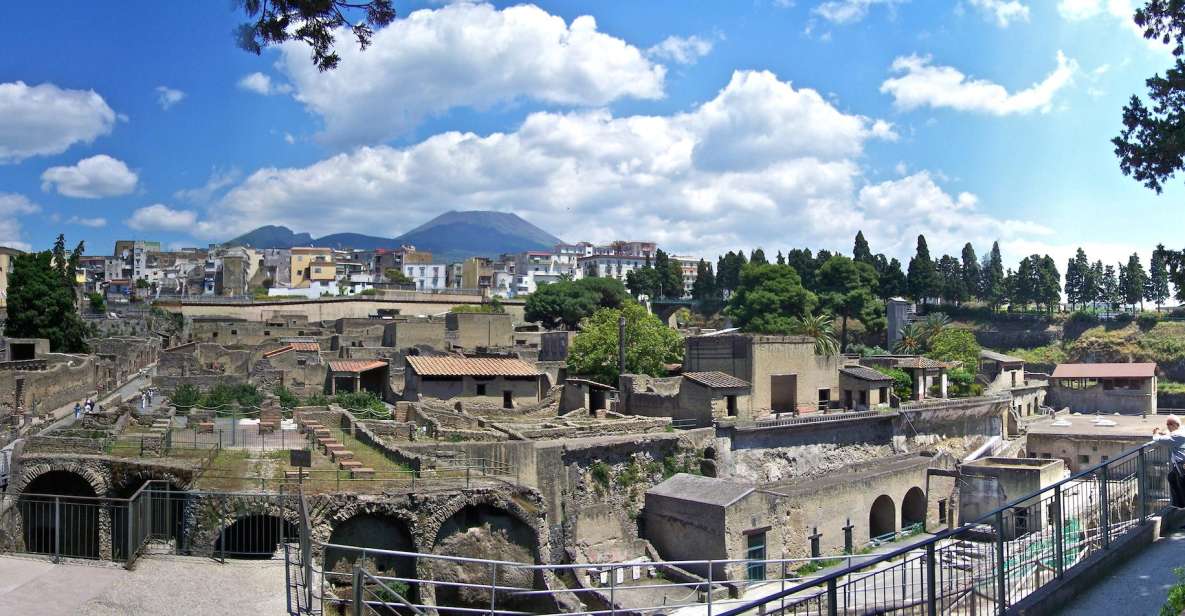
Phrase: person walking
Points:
(77, 411)
(1173, 436)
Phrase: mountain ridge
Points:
(450, 237)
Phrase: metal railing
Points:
(982, 567)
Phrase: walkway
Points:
(1139, 586)
(158, 585)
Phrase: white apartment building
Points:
(426, 276)
(610, 266)
(534, 268)
(690, 268)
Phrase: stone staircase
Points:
(334, 449)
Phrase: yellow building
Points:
(309, 264)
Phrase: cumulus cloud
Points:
(922, 84)
(93, 223)
(1003, 11)
(11, 206)
(167, 97)
(44, 119)
(848, 11)
(681, 50)
(762, 163)
(466, 55)
(219, 180)
(92, 178)
(260, 83)
(160, 217)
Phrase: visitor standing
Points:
(77, 411)
(1176, 440)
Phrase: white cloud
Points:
(167, 97)
(160, 217)
(1122, 10)
(92, 178)
(260, 83)
(220, 180)
(1003, 11)
(466, 55)
(11, 206)
(93, 223)
(681, 50)
(922, 84)
(45, 119)
(762, 163)
(848, 11)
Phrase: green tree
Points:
(846, 288)
(891, 278)
(972, 274)
(781, 258)
(821, 327)
(951, 284)
(995, 292)
(902, 382)
(1050, 290)
(566, 303)
(704, 290)
(768, 298)
(955, 345)
(1077, 275)
(42, 302)
(757, 257)
(912, 340)
(1157, 290)
(649, 344)
(313, 22)
(861, 253)
(1134, 281)
(668, 276)
(922, 275)
(98, 304)
(804, 263)
(393, 275)
(1109, 288)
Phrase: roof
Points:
(1119, 426)
(716, 380)
(707, 490)
(279, 351)
(355, 365)
(864, 373)
(999, 357)
(306, 347)
(1099, 371)
(470, 366)
(910, 361)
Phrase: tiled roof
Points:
(1104, 371)
(307, 347)
(915, 362)
(279, 351)
(355, 365)
(470, 366)
(716, 379)
(863, 373)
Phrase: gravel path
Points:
(159, 585)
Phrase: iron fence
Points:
(982, 567)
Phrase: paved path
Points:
(159, 585)
(1138, 587)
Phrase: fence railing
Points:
(982, 567)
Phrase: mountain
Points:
(450, 237)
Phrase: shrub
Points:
(600, 473)
(186, 397)
(1174, 604)
(316, 400)
(287, 398)
(1147, 320)
(362, 402)
(368, 292)
(1083, 319)
(962, 382)
(902, 382)
(1123, 318)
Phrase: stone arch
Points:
(208, 515)
(491, 528)
(95, 473)
(60, 515)
(913, 507)
(882, 517)
(165, 506)
(372, 529)
(254, 536)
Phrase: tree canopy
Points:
(650, 344)
(567, 302)
(845, 289)
(272, 22)
(768, 298)
(42, 302)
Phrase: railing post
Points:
(709, 588)
(57, 528)
(931, 581)
(1001, 571)
(1142, 485)
(357, 591)
(1059, 530)
(493, 587)
(612, 590)
(131, 541)
(832, 598)
(1104, 508)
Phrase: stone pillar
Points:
(944, 383)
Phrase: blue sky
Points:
(704, 126)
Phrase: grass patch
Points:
(1048, 354)
(1169, 387)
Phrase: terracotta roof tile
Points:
(306, 347)
(1104, 371)
(355, 365)
(864, 373)
(470, 366)
(716, 379)
(279, 351)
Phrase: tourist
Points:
(77, 411)
(1176, 477)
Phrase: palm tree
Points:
(821, 328)
(912, 341)
(931, 326)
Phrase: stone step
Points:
(346, 465)
(340, 454)
(362, 473)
